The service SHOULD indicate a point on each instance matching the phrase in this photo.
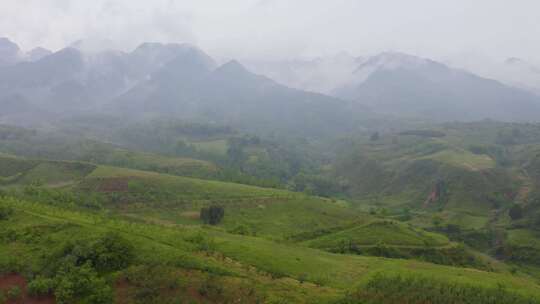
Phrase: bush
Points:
(14, 293)
(112, 252)
(212, 215)
(108, 253)
(74, 282)
(40, 286)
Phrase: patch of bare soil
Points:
(9, 281)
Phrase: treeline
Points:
(163, 136)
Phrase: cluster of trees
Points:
(73, 272)
(212, 215)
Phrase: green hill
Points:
(271, 246)
(218, 264)
(390, 233)
(424, 172)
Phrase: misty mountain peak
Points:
(7, 44)
(150, 56)
(65, 54)
(37, 53)
(9, 52)
(392, 61)
(234, 71)
(232, 67)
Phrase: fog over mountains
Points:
(182, 81)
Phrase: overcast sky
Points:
(283, 28)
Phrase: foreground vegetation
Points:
(447, 214)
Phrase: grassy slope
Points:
(390, 233)
(23, 171)
(42, 230)
(154, 162)
(155, 242)
(403, 170)
(166, 205)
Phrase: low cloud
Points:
(279, 28)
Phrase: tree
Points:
(515, 212)
(374, 137)
(212, 215)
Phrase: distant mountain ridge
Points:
(402, 84)
(157, 80)
(69, 81)
(182, 81)
(513, 71)
(11, 53)
(231, 94)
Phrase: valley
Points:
(164, 175)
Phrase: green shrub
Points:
(40, 286)
(110, 252)
(212, 215)
(14, 293)
(74, 282)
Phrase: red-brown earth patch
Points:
(9, 281)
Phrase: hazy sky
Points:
(283, 28)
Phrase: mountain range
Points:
(338, 94)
